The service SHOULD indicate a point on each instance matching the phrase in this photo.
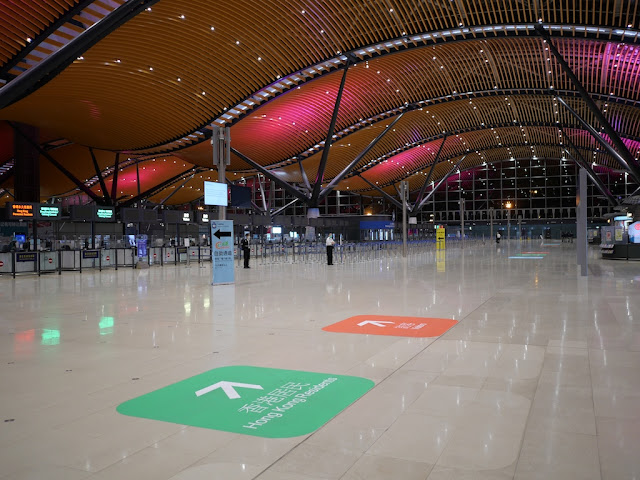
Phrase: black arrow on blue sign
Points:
(219, 234)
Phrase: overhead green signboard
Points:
(48, 211)
(264, 402)
(105, 214)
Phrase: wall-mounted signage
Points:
(21, 210)
(186, 217)
(376, 225)
(26, 257)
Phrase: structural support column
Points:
(462, 221)
(27, 164)
(581, 222)
(221, 142)
(404, 193)
(491, 215)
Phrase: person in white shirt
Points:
(330, 243)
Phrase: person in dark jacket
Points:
(246, 250)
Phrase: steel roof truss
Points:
(327, 144)
(627, 159)
(444, 179)
(287, 186)
(103, 186)
(358, 158)
(58, 165)
(631, 168)
(386, 195)
(426, 182)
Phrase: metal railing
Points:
(57, 261)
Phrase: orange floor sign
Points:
(393, 326)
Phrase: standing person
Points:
(330, 243)
(497, 237)
(246, 250)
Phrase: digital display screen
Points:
(276, 230)
(186, 217)
(203, 217)
(215, 194)
(21, 210)
(49, 211)
(105, 214)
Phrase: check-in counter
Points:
(621, 251)
(26, 262)
(200, 254)
(181, 254)
(108, 257)
(156, 256)
(125, 257)
(6, 263)
(89, 259)
(14, 263)
(48, 262)
(70, 259)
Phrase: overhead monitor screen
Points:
(21, 210)
(276, 230)
(105, 214)
(49, 211)
(215, 194)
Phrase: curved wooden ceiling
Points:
(475, 71)
(20, 22)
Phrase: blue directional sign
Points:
(222, 251)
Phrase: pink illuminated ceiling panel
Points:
(151, 173)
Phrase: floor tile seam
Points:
(529, 420)
(68, 467)
(128, 456)
(593, 405)
(360, 454)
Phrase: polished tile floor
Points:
(540, 379)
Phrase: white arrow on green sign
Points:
(228, 388)
(264, 402)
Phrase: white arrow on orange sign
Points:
(227, 388)
(373, 322)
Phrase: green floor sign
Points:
(265, 402)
